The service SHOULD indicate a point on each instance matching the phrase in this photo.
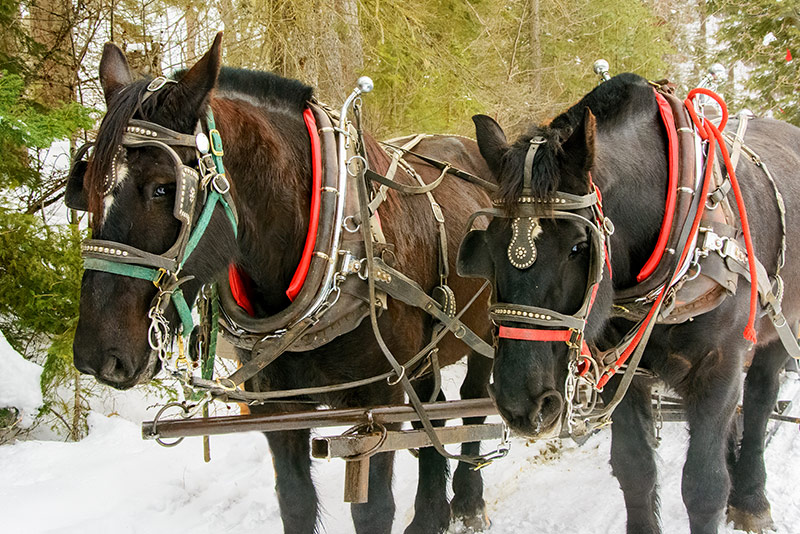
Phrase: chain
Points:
(659, 424)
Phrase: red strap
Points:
(672, 189)
(240, 283)
(532, 334)
(704, 131)
(316, 193)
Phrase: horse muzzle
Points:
(535, 417)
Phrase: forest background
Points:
(434, 64)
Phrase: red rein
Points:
(711, 133)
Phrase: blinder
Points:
(473, 259)
(75, 196)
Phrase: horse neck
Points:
(268, 161)
(631, 172)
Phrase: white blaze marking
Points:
(120, 174)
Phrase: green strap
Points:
(126, 269)
(184, 312)
(202, 224)
(207, 370)
(216, 141)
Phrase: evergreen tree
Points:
(763, 35)
(39, 259)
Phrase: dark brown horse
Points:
(268, 161)
(614, 139)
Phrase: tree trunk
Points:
(50, 27)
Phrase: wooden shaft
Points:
(177, 428)
(355, 444)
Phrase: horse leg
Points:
(377, 514)
(711, 393)
(468, 504)
(632, 456)
(431, 509)
(297, 497)
(748, 507)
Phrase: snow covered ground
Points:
(113, 481)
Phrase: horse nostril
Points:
(548, 409)
(114, 370)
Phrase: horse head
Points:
(544, 252)
(143, 190)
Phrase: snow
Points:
(19, 383)
(113, 481)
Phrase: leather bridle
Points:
(205, 179)
(521, 321)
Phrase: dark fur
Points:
(702, 360)
(267, 157)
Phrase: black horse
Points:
(268, 162)
(614, 139)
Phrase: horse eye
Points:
(161, 190)
(579, 248)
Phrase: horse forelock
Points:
(120, 110)
(545, 175)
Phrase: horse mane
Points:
(268, 89)
(612, 102)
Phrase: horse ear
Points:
(579, 146)
(114, 70)
(198, 81)
(491, 140)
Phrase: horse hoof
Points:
(434, 520)
(750, 522)
(470, 524)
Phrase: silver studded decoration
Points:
(522, 250)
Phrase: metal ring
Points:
(399, 378)
(363, 272)
(221, 188)
(154, 431)
(373, 449)
(695, 275)
(351, 160)
(346, 224)
(608, 226)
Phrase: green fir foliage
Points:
(758, 33)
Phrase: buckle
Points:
(216, 142)
(157, 83)
(161, 274)
(221, 184)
